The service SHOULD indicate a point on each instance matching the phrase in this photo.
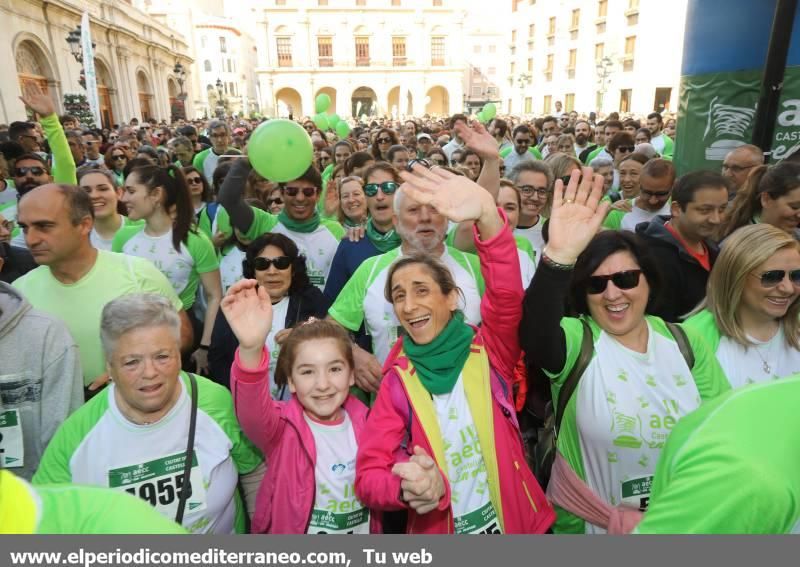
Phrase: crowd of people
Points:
(441, 326)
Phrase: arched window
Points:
(207, 66)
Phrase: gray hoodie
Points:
(41, 381)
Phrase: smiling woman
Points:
(101, 186)
(615, 419)
(141, 422)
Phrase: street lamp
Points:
(603, 66)
(75, 47)
(523, 79)
(180, 76)
(220, 99)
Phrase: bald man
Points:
(738, 164)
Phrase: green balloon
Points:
(321, 121)
(280, 150)
(489, 110)
(333, 120)
(343, 129)
(481, 117)
(322, 102)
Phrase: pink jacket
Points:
(286, 495)
(525, 508)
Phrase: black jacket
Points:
(18, 262)
(309, 302)
(684, 279)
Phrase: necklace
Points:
(766, 367)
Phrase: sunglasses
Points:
(307, 191)
(281, 263)
(194, 181)
(423, 162)
(628, 279)
(388, 187)
(771, 278)
(529, 190)
(651, 194)
(118, 158)
(384, 140)
(277, 201)
(626, 149)
(35, 170)
(522, 142)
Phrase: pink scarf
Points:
(569, 492)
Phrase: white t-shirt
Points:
(628, 402)
(336, 508)
(534, 235)
(279, 311)
(101, 243)
(230, 268)
(473, 512)
(637, 215)
(761, 362)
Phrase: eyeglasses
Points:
(522, 142)
(529, 190)
(628, 279)
(771, 278)
(307, 191)
(35, 170)
(654, 194)
(388, 187)
(281, 263)
(8, 225)
(384, 140)
(626, 149)
(437, 160)
(119, 157)
(276, 201)
(194, 181)
(423, 162)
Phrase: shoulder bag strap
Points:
(683, 343)
(187, 467)
(584, 358)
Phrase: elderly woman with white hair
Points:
(169, 437)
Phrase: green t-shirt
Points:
(318, 246)
(731, 466)
(98, 446)
(362, 298)
(80, 304)
(220, 223)
(623, 409)
(533, 150)
(183, 269)
(594, 153)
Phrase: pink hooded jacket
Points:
(286, 496)
(525, 508)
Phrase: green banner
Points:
(717, 112)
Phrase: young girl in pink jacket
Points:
(310, 441)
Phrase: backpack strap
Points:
(683, 343)
(584, 358)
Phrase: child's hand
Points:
(422, 484)
(248, 310)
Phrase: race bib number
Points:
(160, 481)
(636, 492)
(324, 522)
(481, 521)
(12, 450)
(316, 277)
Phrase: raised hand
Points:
(478, 139)
(422, 483)
(39, 102)
(248, 310)
(576, 215)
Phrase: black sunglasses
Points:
(628, 279)
(194, 180)
(36, 170)
(277, 201)
(384, 140)
(626, 149)
(423, 162)
(771, 278)
(388, 187)
(281, 263)
(119, 157)
(307, 191)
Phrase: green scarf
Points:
(383, 242)
(347, 223)
(439, 363)
(309, 225)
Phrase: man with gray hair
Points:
(534, 179)
(74, 280)
(183, 150)
(207, 160)
(422, 230)
(738, 164)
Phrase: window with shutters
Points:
(325, 51)
(284, 46)
(437, 51)
(362, 51)
(399, 51)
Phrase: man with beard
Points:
(534, 179)
(523, 149)
(583, 132)
(681, 244)
(422, 230)
(30, 169)
(316, 238)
